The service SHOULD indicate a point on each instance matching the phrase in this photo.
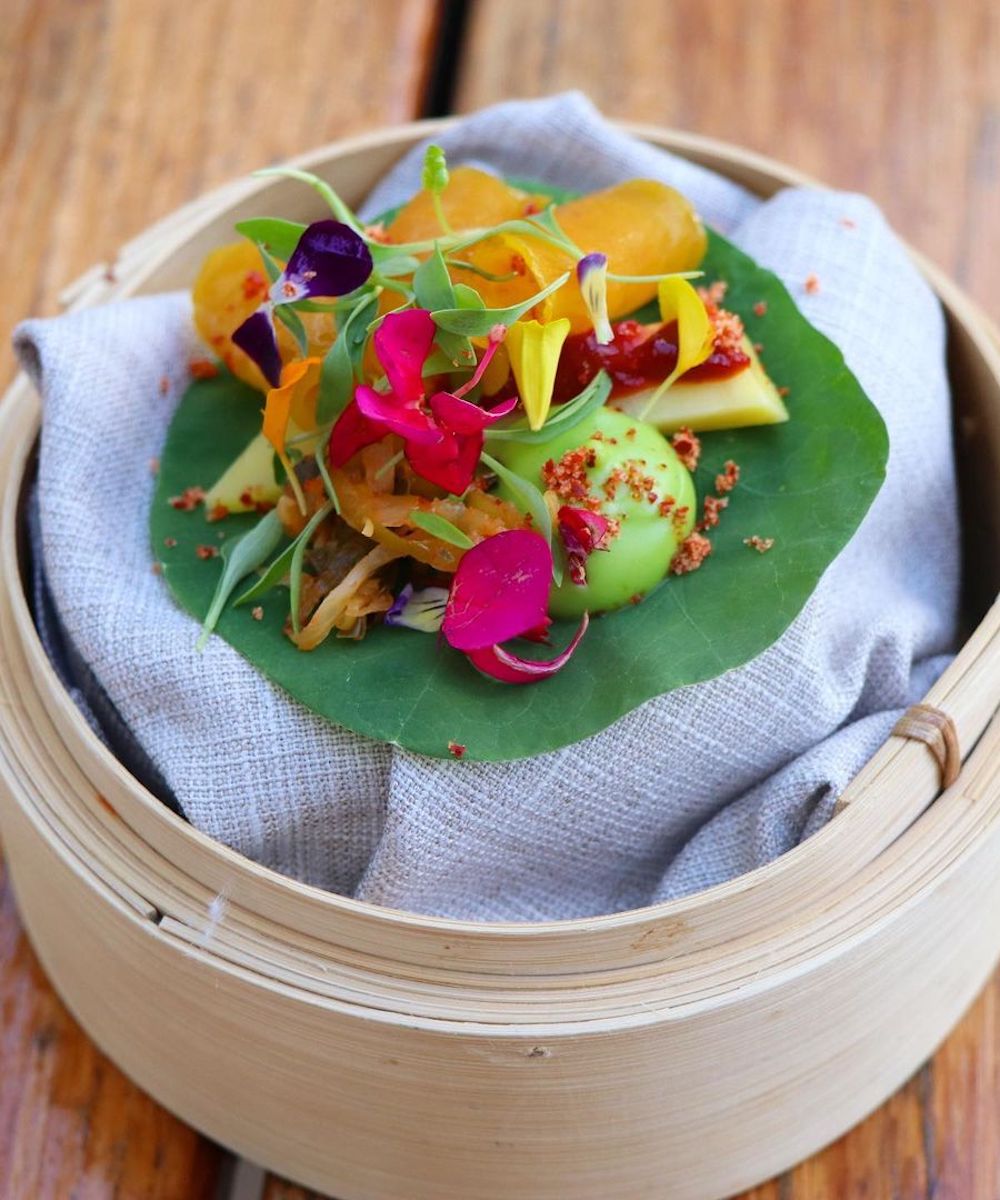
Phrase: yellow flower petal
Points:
(534, 351)
(695, 336)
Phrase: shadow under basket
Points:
(684, 1051)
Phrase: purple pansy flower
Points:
(330, 259)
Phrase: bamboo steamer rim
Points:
(633, 943)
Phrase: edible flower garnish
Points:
(695, 333)
(499, 592)
(582, 532)
(421, 610)
(534, 349)
(329, 259)
(592, 276)
(443, 436)
(294, 400)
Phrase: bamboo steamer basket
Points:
(682, 1052)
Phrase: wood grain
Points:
(111, 115)
(71, 1125)
(899, 99)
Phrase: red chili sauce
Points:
(636, 359)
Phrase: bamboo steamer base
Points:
(681, 1052)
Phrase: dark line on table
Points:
(446, 56)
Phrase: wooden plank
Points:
(899, 99)
(112, 115)
(70, 1123)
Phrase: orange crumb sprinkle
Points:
(254, 285)
(691, 553)
(630, 475)
(257, 613)
(456, 749)
(760, 308)
(157, 568)
(206, 552)
(783, 391)
(202, 368)
(217, 512)
(811, 285)
(189, 499)
(729, 478)
(760, 544)
(154, 466)
(568, 477)
(848, 223)
(164, 384)
(170, 542)
(712, 508)
(687, 447)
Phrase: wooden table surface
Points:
(112, 114)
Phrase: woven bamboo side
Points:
(684, 1051)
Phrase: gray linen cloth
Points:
(692, 788)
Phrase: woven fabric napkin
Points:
(690, 789)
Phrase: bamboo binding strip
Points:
(927, 724)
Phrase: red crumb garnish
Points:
(630, 474)
(691, 553)
(665, 505)
(727, 327)
(154, 466)
(518, 265)
(759, 347)
(170, 542)
(205, 552)
(811, 285)
(568, 477)
(760, 308)
(164, 384)
(254, 285)
(217, 512)
(783, 391)
(257, 613)
(377, 233)
(687, 447)
(531, 208)
(157, 568)
(760, 544)
(202, 368)
(109, 274)
(190, 498)
(848, 223)
(456, 749)
(630, 433)
(729, 478)
(635, 598)
(713, 507)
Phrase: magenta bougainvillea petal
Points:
(352, 432)
(402, 343)
(500, 664)
(330, 259)
(257, 339)
(500, 590)
(582, 532)
(410, 421)
(452, 459)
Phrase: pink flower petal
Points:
(500, 664)
(582, 532)
(402, 343)
(411, 422)
(497, 335)
(450, 462)
(462, 416)
(352, 432)
(500, 590)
